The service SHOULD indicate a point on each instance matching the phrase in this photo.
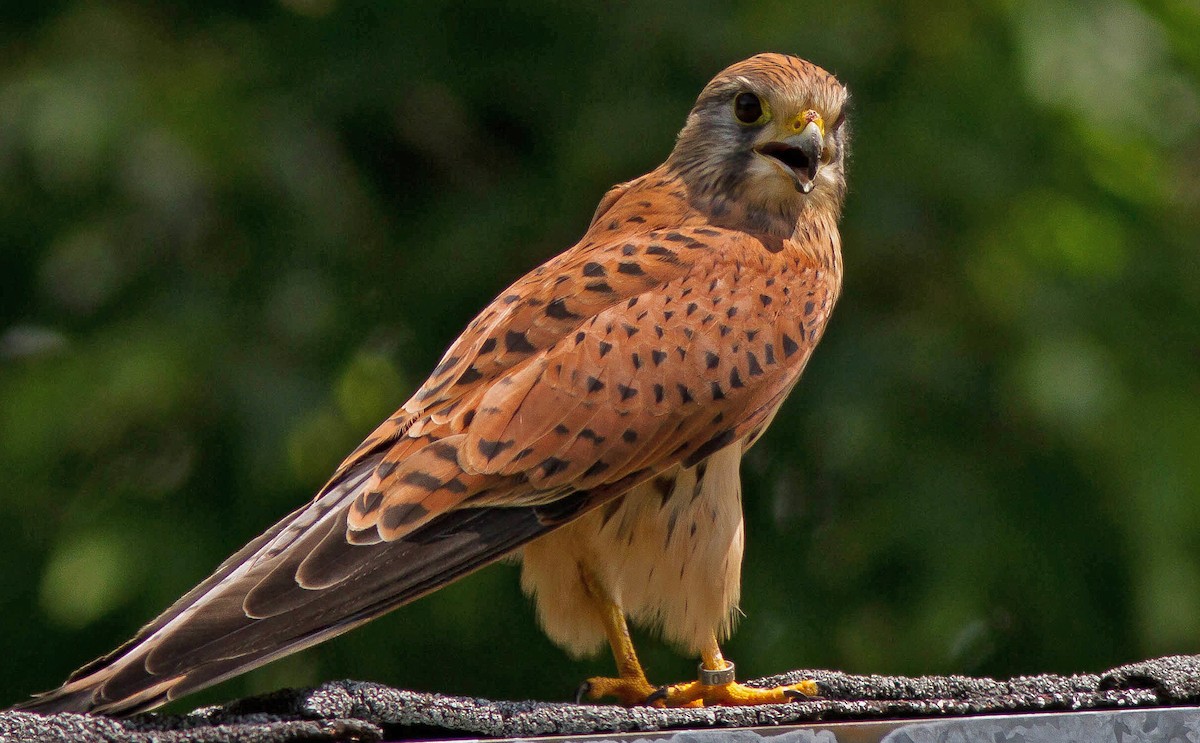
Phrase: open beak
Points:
(798, 155)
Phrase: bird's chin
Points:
(786, 181)
(797, 177)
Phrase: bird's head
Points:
(765, 141)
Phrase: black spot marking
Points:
(595, 438)
(731, 312)
(637, 361)
(711, 360)
(445, 452)
(658, 393)
(455, 485)
(516, 342)
(488, 346)
(668, 314)
(636, 219)
(692, 307)
(599, 466)
(808, 307)
(717, 392)
(552, 466)
(491, 449)
(628, 249)
(765, 299)
(558, 310)
(707, 232)
(626, 392)
(468, 417)
(769, 350)
(629, 436)
(789, 346)
(599, 286)
(663, 486)
(666, 254)
(658, 356)
(630, 330)
(594, 385)
(594, 269)
(630, 268)
(580, 336)
(605, 347)
(385, 469)
(685, 395)
(402, 515)
(610, 509)
(725, 330)
(422, 480)
(470, 375)
(561, 429)
(512, 298)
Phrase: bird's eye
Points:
(748, 109)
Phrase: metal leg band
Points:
(717, 678)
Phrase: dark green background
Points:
(234, 236)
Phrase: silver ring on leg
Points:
(717, 678)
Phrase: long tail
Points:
(253, 610)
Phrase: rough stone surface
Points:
(361, 711)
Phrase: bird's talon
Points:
(584, 690)
(658, 695)
(803, 691)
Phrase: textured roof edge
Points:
(352, 710)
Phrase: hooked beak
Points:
(799, 156)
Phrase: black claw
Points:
(658, 695)
(584, 690)
(798, 696)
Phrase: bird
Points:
(589, 422)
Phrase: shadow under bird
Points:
(590, 421)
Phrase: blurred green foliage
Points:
(234, 236)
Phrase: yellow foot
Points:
(630, 691)
(697, 694)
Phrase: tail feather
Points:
(254, 609)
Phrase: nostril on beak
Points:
(801, 122)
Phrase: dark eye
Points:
(749, 109)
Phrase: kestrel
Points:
(590, 421)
